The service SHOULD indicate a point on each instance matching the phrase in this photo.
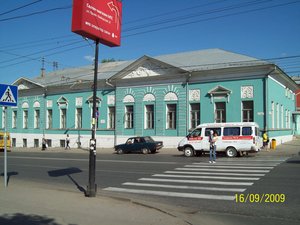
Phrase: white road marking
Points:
(223, 170)
(172, 194)
(212, 173)
(184, 187)
(198, 181)
(206, 177)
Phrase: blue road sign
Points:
(8, 95)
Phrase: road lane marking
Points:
(98, 160)
(232, 167)
(184, 187)
(198, 181)
(239, 164)
(172, 194)
(206, 177)
(211, 173)
(223, 170)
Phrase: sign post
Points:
(8, 97)
(101, 22)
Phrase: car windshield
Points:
(148, 139)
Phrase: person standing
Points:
(44, 144)
(265, 140)
(213, 147)
(68, 142)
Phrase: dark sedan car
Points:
(139, 144)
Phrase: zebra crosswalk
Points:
(220, 181)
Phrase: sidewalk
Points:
(290, 148)
(36, 204)
(285, 149)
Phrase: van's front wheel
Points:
(188, 151)
(231, 152)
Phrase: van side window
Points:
(195, 133)
(246, 131)
(231, 131)
(207, 131)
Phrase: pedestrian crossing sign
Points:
(8, 95)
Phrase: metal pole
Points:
(5, 150)
(92, 187)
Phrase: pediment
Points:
(25, 84)
(62, 100)
(147, 69)
(90, 99)
(219, 90)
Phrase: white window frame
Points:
(272, 115)
(171, 116)
(37, 118)
(220, 113)
(194, 113)
(25, 119)
(78, 118)
(63, 118)
(277, 115)
(49, 119)
(248, 111)
(14, 118)
(129, 117)
(149, 117)
(282, 115)
(111, 116)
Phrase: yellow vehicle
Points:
(8, 143)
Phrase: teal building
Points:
(164, 97)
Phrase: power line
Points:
(198, 14)
(21, 7)
(36, 13)
(173, 12)
(182, 24)
(211, 18)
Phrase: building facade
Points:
(164, 97)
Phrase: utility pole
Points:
(92, 186)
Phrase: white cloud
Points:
(89, 58)
(283, 54)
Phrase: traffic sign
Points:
(8, 95)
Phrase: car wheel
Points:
(120, 151)
(188, 151)
(145, 151)
(231, 152)
(153, 151)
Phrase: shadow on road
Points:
(19, 218)
(68, 172)
(9, 174)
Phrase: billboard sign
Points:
(98, 20)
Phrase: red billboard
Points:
(98, 19)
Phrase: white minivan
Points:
(233, 138)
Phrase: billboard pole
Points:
(92, 186)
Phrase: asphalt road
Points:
(267, 187)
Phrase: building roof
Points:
(189, 61)
(209, 59)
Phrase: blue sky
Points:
(264, 29)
